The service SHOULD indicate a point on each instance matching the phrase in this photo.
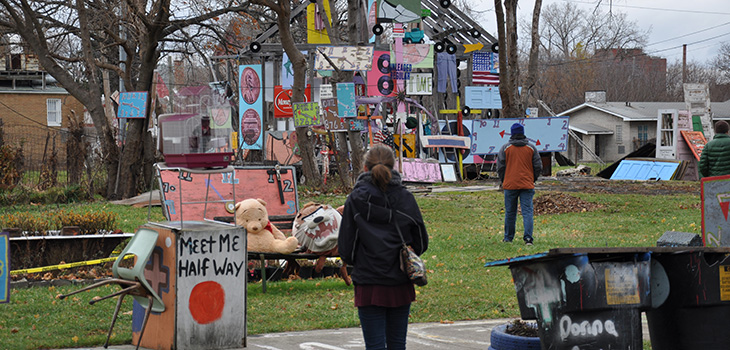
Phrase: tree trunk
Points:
(509, 70)
(529, 97)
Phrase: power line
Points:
(653, 8)
(686, 35)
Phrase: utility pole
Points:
(684, 64)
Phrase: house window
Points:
(643, 134)
(53, 111)
(619, 134)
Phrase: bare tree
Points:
(100, 29)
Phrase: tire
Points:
(439, 47)
(445, 3)
(451, 49)
(503, 341)
(466, 110)
(377, 29)
(475, 33)
(495, 47)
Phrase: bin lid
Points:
(610, 253)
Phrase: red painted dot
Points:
(207, 301)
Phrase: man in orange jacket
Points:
(518, 165)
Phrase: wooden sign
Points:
(409, 145)
(420, 84)
(132, 104)
(695, 140)
(306, 114)
(185, 193)
(4, 268)
(715, 205)
(347, 58)
(419, 170)
(332, 121)
(548, 134)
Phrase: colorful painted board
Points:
(281, 147)
(695, 140)
(181, 186)
(250, 107)
(715, 197)
(221, 118)
(199, 272)
(399, 11)
(287, 70)
(379, 81)
(306, 114)
(347, 58)
(4, 268)
(482, 97)
(548, 134)
(420, 170)
(132, 104)
(282, 101)
(417, 55)
(346, 103)
(332, 120)
(409, 145)
(420, 84)
(316, 29)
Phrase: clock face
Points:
(348, 58)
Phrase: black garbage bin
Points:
(696, 307)
(592, 298)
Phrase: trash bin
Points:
(695, 288)
(592, 298)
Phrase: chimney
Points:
(595, 96)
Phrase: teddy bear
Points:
(316, 227)
(261, 234)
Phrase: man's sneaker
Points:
(528, 243)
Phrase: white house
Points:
(614, 129)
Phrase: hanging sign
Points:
(420, 84)
(132, 104)
(282, 101)
(306, 114)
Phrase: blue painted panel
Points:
(644, 170)
(482, 97)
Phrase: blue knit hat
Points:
(517, 128)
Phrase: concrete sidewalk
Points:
(444, 336)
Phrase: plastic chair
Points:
(132, 279)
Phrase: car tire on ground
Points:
(500, 340)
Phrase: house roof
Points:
(646, 111)
(590, 129)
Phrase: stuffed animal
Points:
(261, 234)
(317, 227)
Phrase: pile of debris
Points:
(560, 203)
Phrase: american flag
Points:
(486, 68)
(487, 78)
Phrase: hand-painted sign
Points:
(695, 140)
(409, 145)
(250, 107)
(348, 58)
(417, 55)
(282, 101)
(4, 268)
(217, 190)
(400, 71)
(399, 11)
(420, 84)
(332, 121)
(379, 81)
(132, 104)
(715, 206)
(316, 28)
(346, 103)
(306, 114)
(419, 170)
(548, 134)
(482, 97)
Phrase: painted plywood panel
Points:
(184, 193)
(630, 169)
(548, 134)
(4, 268)
(419, 170)
(715, 204)
(211, 288)
(482, 97)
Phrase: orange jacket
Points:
(518, 164)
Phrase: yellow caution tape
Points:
(66, 266)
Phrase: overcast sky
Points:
(701, 24)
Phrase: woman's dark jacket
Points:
(368, 239)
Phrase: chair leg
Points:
(147, 312)
(92, 286)
(123, 291)
(114, 319)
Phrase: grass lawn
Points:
(465, 231)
